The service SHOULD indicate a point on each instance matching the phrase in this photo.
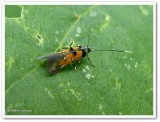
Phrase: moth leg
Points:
(76, 67)
(90, 61)
(63, 48)
(70, 45)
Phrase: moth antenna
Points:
(126, 51)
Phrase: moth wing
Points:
(52, 57)
(53, 68)
(53, 61)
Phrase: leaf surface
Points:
(120, 84)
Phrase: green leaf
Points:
(120, 84)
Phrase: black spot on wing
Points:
(73, 51)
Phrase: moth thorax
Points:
(87, 49)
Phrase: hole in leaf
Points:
(13, 11)
(39, 37)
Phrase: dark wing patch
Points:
(53, 57)
(53, 68)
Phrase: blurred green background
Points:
(120, 84)
(13, 11)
